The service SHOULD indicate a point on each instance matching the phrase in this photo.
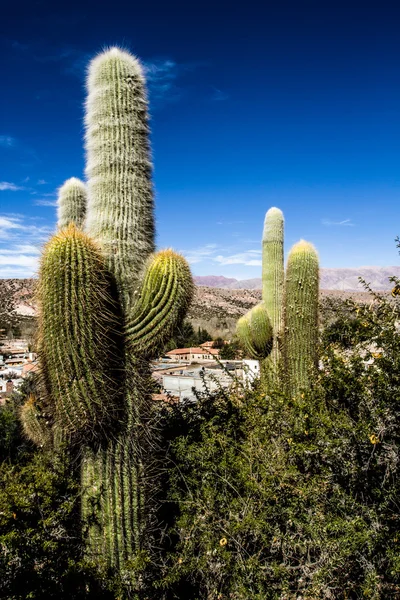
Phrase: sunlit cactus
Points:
(108, 305)
(71, 203)
(119, 168)
(163, 299)
(301, 316)
(255, 332)
(79, 322)
(291, 308)
(273, 272)
(35, 424)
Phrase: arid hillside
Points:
(214, 309)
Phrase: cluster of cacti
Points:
(282, 331)
(107, 305)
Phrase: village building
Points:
(193, 355)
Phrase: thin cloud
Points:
(12, 187)
(230, 222)
(42, 182)
(6, 141)
(44, 202)
(197, 255)
(218, 95)
(344, 223)
(20, 243)
(249, 258)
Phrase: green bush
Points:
(277, 498)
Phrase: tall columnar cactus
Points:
(301, 316)
(291, 306)
(108, 304)
(119, 168)
(273, 273)
(72, 200)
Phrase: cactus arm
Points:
(301, 316)
(255, 333)
(72, 197)
(78, 316)
(119, 169)
(273, 271)
(164, 298)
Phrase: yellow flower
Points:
(306, 432)
(180, 561)
(377, 354)
(223, 542)
(373, 439)
(302, 396)
(290, 440)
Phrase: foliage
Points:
(41, 550)
(230, 351)
(281, 498)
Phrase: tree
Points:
(218, 343)
(230, 351)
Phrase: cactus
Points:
(291, 307)
(120, 194)
(301, 316)
(108, 304)
(255, 331)
(79, 326)
(34, 423)
(273, 272)
(72, 200)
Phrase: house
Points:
(193, 354)
(30, 368)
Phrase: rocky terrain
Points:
(331, 279)
(218, 308)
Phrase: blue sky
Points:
(290, 104)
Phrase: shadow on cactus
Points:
(107, 305)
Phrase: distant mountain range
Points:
(331, 279)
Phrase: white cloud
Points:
(197, 255)
(344, 223)
(6, 141)
(12, 187)
(249, 258)
(20, 260)
(44, 202)
(42, 182)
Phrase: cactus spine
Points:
(301, 316)
(291, 306)
(72, 200)
(108, 304)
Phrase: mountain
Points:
(331, 279)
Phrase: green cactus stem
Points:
(80, 346)
(273, 272)
(164, 298)
(72, 199)
(255, 332)
(34, 423)
(301, 316)
(119, 168)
